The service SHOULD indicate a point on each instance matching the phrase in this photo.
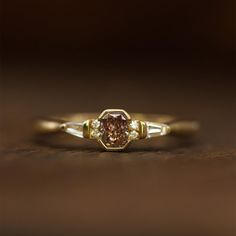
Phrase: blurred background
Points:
(148, 56)
(174, 57)
(109, 32)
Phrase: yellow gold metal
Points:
(113, 148)
(114, 110)
(47, 126)
(143, 130)
(86, 129)
(184, 127)
(82, 124)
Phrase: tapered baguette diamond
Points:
(74, 128)
(155, 129)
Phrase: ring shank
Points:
(177, 127)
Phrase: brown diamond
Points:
(114, 127)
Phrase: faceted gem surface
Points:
(114, 127)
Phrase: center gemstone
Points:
(114, 127)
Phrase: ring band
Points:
(114, 128)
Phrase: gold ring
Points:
(115, 128)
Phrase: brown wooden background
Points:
(163, 57)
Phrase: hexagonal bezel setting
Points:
(114, 129)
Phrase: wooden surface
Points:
(66, 186)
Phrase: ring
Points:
(115, 128)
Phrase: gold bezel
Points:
(114, 110)
(122, 112)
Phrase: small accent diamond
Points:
(96, 134)
(133, 135)
(96, 124)
(134, 125)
